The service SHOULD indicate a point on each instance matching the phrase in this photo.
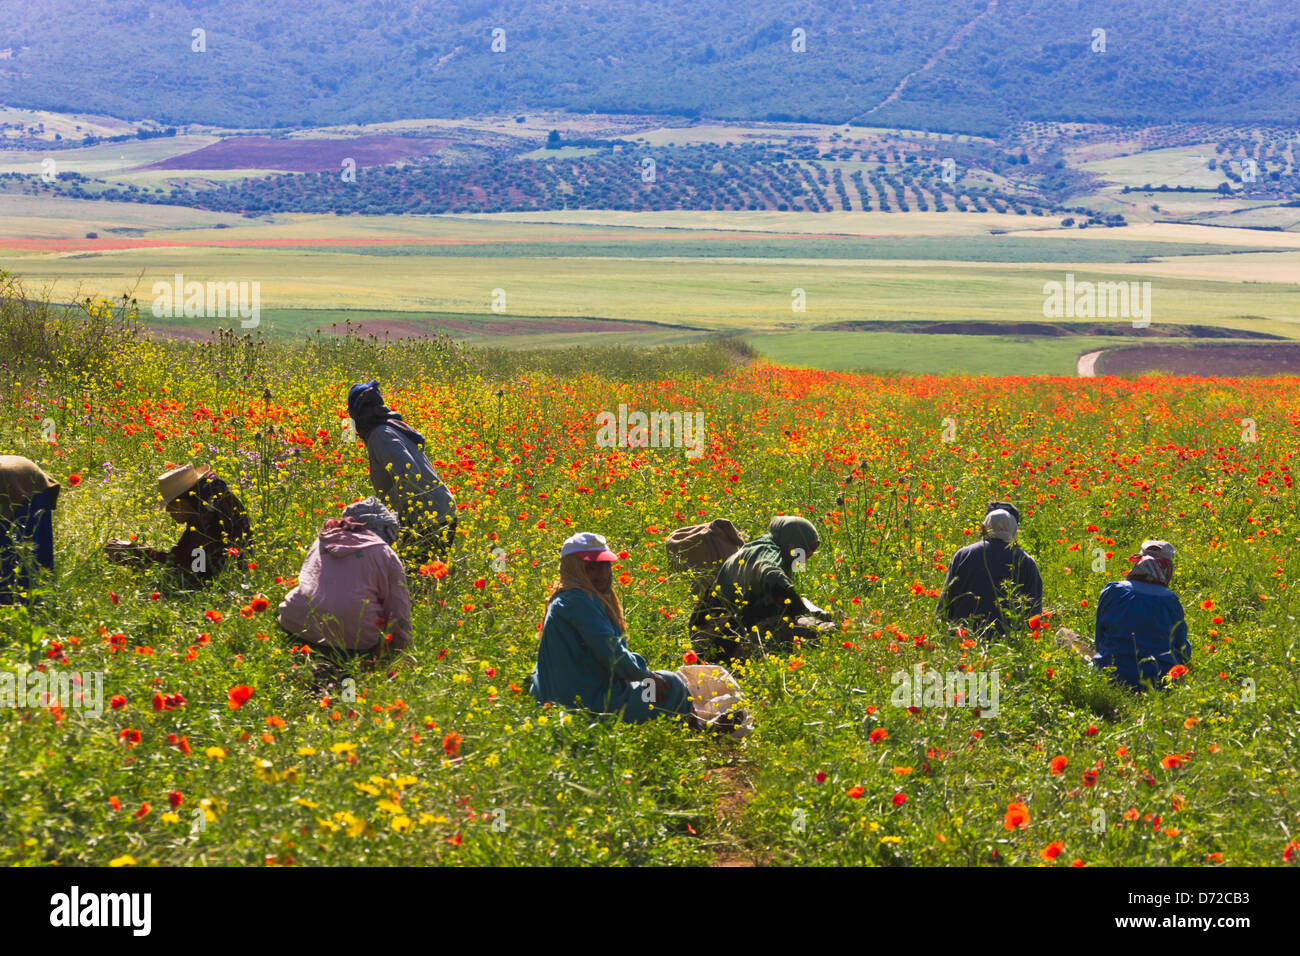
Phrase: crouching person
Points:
(1141, 630)
(753, 606)
(28, 497)
(351, 592)
(583, 659)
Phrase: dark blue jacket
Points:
(988, 572)
(1141, 632)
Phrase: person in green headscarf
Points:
(753, 605)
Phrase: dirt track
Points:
(1087, 367)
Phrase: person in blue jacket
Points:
(1141, 631)
(583, 659)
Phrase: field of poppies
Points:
(217, 745)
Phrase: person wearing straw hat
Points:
(1141, 631)
(583, 659)
(993, 585)
(28, 497)
(401, 473)
(215, 523)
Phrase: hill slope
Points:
(971, 65)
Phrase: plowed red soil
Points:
(300, 155)
(1223, 361)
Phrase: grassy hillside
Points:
(974, 65)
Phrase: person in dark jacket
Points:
(1141, 632)
(753, 605)
(401, 473)
(993, 585)
(215, 525)
(28, 497)
(583, 659)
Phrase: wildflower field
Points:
(214, 746)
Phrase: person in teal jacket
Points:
(583, 659)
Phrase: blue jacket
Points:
(1141, 632)
(583, 660)
(403, 476)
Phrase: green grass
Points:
(925, 354)
(927, 248)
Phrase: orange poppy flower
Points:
(1017, 815)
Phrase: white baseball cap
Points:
(588, 546)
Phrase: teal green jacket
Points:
(583, 660)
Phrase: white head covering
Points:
(1154, 563)
(372, 513)
(1000, 524)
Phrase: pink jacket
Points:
(351, 592)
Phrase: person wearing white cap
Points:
(215, 523)
(583, 659)
(1141, 629)
(993, 584)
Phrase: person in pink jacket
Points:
(351, 598)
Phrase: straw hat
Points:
(176, 482)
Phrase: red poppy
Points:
(857, 791)
(1017, 815)
(238, 696)
(879, 734)
(900, 798)
(1052, 850)
(175, 798)
(1058, 765)
(451, 743)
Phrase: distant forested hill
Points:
(970, 65)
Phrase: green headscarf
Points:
(789, 532)
(761, 569)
